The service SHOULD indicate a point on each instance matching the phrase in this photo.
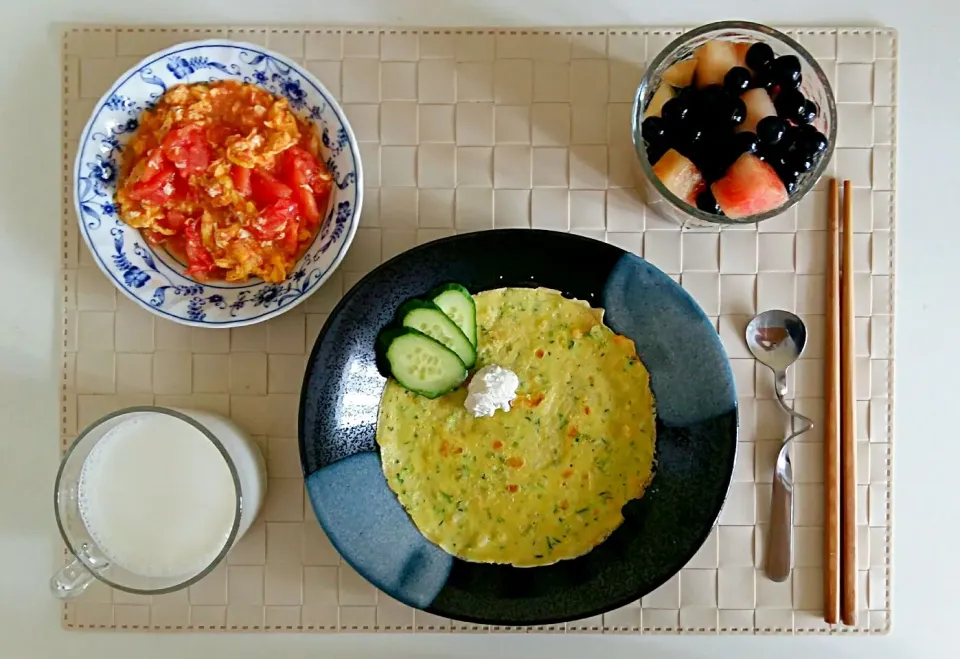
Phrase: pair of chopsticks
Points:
(840, 473)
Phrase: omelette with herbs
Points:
(227, 178)
(546, 480)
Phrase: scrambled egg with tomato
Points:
(547, 480)
(226, 177)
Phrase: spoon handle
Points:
(779, 557)
(779, 551)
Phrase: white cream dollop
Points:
(492, 388)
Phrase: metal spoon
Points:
(776, 338)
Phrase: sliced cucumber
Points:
(421, 364)
(427, 317)
(456, 302)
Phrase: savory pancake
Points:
(545, 481)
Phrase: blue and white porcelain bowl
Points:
(154, 278)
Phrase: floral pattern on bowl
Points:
(153, 278)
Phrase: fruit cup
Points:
(733, 123)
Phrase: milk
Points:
(158, 497)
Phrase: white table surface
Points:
(926, 611)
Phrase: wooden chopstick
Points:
(831, 453)
(848, 430)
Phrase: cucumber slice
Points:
(419, 363)
(426, 316)
(456, 302)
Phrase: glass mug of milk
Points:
(150, 499)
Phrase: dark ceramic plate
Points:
(696, 431)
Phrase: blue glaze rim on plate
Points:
(696, 446)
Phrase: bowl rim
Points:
(693, 212)
(331, 102)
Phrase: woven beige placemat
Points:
(471, 129)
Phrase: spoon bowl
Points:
(776, 338)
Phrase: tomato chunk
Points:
(308, 205)
(299, 169)
(157, 189)
(155, 238)
(173, 220)
(291, 237)
(177, 246)
(154, 165)
(274, 219)
(182, 190)
(199, 260)
(265, 189)
(218, 133)
(187, 149)
(322, 188)
(296, 160)
(241, 179)
(305, 198)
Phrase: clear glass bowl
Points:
(814, 86)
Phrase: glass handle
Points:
(70, 581)
(74, 577)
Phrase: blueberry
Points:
(791, 142)
(689, 95)
(708, 203)
(787, 171)
(759, 55)
(719, 141)
(771, 129)
(675, 113)
(705, 157)
(789, 168)
(790, 104)
(747, 142)
(809, 113)
(814, 142)
(769, 156)
(738, 111)
(710, 97)
(715, 109)
(653, 130)
(737, 80)
(691, 137)
(786, 72)
(713, 168)
(802, 163)
(686, 148)
(790, 179)
(762, 78)
(775, 159)
(718, 153)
